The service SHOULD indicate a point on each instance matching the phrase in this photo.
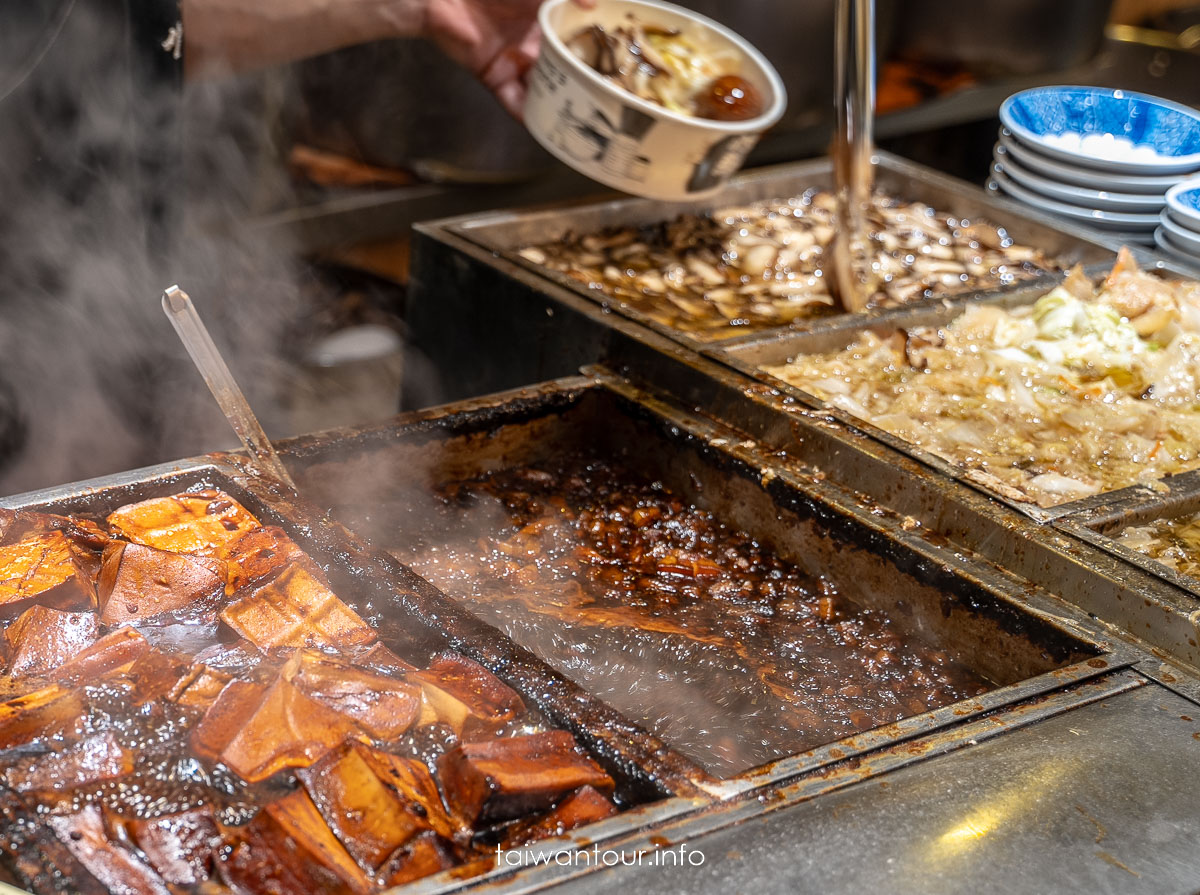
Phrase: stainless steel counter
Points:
(1102, 799)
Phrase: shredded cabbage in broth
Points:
(1090, 389)
(1173, 542)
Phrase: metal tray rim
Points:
(470, 227)
(1182, 499)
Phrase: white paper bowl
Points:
(623, 141)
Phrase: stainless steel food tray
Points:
(1102, 525)
(1116, 672)
(496, 325)
(414, 620)
(847, 766)
(504, 233)
(751, 357)
(822, 447)
(704, 461)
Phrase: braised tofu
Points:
(238, 659)
(49, 712)
(235, 689)
(83, 532)
(370, 818)
(180, 847)
(255, 557)
(154, 675)
(286, 730)
(382, 706)
(410, 779)
(296, 611)
(225, 718)
(505, 778)
(41, 639)
(200, 522)
(89, 761)
(113, 653)
(379, 658)
(47, 569)
(139, 584)
(584, 806)
(287, 849)
(457, 690)
(199, 687)
(421, 856)
(115, 867)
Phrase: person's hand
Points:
(498, 40)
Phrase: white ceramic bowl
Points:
(1182, 237)
(1032, 160)
(1103, 200)
(1183, 204)
(1165, 135)
(1099, 220)
(624, 141)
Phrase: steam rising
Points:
(92, 379)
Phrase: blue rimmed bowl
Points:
(1166, 245)
(1183, 204)
(1091, 217)
(1044, 166)
(1170, 129)
(1104, 200)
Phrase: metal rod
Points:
(853, 146)
(199, 344)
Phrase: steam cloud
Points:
(92, 378)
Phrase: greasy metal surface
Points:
(799, 490)
(808, 521)
(507, 231)
(751, 357)
(818, 446)
(643, 767)
(1085, 801)
(768, 808)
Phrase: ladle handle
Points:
(199, 344)
(854, 145)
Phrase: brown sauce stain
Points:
(1103, 855)
(1101, 832)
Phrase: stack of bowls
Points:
(1097, 157)
(1178, 234)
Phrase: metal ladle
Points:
(853, 146)
(199, 344)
